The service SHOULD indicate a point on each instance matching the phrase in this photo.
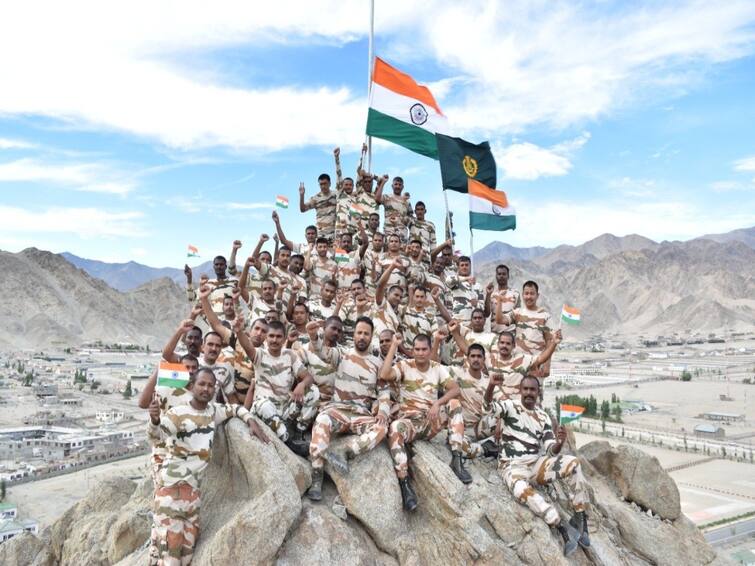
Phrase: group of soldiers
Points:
(364, 332)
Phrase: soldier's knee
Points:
(323, 419)
(454, 405)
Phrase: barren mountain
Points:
(45, 300)
(744, 235)
(700, 285)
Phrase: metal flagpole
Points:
(449, 225)
(471, 250)
(371, 56)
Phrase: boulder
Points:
(638, 477)
(26, 550)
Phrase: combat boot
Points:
(339, 463)
(570, 536)
(579, 522)
(490, 449)
(458, 468)
(407, 494)
(315, 489)
(298, 444)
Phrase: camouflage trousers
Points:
(406, 430)
(484, 429)
(369, 433)
(175, 524)
(519, 474)
(276, 416)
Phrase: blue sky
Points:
(128, 132)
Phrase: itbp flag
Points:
(461, 160)
(281, 201)
(192, 251)
(571, 315)
(569, 413)
(172, 375)
(402, 111)
(489, 209)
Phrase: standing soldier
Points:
(324, 204)
(422, 230)
(397, 210)
(500, 292)
(188, 432)
(465, 292)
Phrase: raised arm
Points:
(454, 328)
(170, 348)
(212, 318)
(232, 269)
(303, 206)
(501, 318)
(442, 310)
(546, 354)
(380, 186)
(387, 373)
(292, 297)
(439, 336)
(285, 241)
(383, 281)
(434, 252)
(243, 337)
(145, 397)
(488, 294)
(364, 241)
(339, 174)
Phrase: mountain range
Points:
(627, 284)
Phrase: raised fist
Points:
(301, 189)
(236, 244)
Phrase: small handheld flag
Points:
(192, 251)
(571, 315)
(569, 413)
(172, 375)
(281, 201)
(356, 211)
(341, 256)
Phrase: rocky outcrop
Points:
(253, 513)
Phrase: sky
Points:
(130, 130)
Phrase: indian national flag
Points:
(569, 413)
(172, 375)
(342, 256)
(571, 315)
(489, 209)
(281, 202)
(403, 112)
(192, 251)
(356, 211)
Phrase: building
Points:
(11, 525)
(57, 443)
(109, 416)
(709, 431)
(724, 417)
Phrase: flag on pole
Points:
(281, 201)
(357, 212)
(403, 112)
(461, 160)
(489, 209)
(192, 251)
(569, 413)
(172, 375)
(571, 315)
(341, 256)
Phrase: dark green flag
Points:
(461, 160)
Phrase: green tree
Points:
(616, 412)
(128, 392)
(605, 410)
(686, 376)
(3, 489)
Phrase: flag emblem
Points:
(569, 413)
(281, 202)
(470, 166)
(172, 375)
(418, 114)
(192, 251)
(341, 256)
(571, 315)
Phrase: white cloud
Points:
(507, 66)
(86, 177)
(527, 161)
(631, 187)
(7, 143)
(83, 222)
(248, 205)
(747, 164)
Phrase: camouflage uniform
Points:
(323, 371)
(367, 205)
(396, 215)
(220, 290)
(258, 308)
(243, 370)
(466, 296)
(511, 370)
(414, 322)
(384, 318)
(318, 311)
(188, 434)
(416, 272)
(372, 268)
(419, 390)
(348, 270)
(479, 424)
(527, 443)
(355, 398)
(510, 300)
(349, 314)
(424, 231)
(275, 381)
(346, 222)
(224, 375)
(319, 272)
(325, 210)
(284, 279)
(398, 276)
(532, 329)
(487, 340)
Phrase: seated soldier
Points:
(351, 409)
(322, 370)
(473, 334)
(465, 292)
(187, 432)
(512, 365)
(323, 305)
(355, 305)
(530, 454)
(422, 413)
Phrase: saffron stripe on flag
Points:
(401, 83)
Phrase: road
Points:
(729, 533)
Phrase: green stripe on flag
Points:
(172, 383)
(482, 221)
(568, 320)
(566, 420)
(394, 130)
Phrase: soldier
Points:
(349, 265)
(474, 333)
(500, 292)
(533, 326)
(355, 305)
(188, 431)
(385, 313)
(310, 236)
(397, 210)
(319, 268)
(417, 318)
(394, 256)
(221, 285)
(325, 306)
(347, 211)
(350, 410)
(324, 204)
(192, 338)
(276, 400)
(422, 230)
(530, 454)
(422, 412)
(323, 372)
(371, 261)
(511, 368)
(465, 292)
